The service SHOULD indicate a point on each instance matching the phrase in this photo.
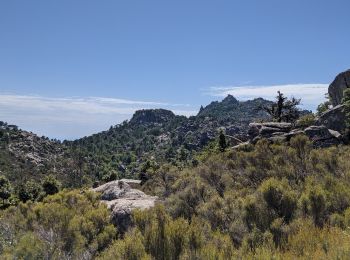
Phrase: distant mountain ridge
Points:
(151, 134)
(161, 135)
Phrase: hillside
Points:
(160, 136)
(25, 156)
(266, 201)
(148, 139)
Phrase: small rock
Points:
(335, 134)
(267, 128)
(268, 131)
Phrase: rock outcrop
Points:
(320, 136)
(328, 128)
(337, 87)
(152, 116)
(271, 130)
(333, 119)
(266, 129)
(33, 149)
(121, 199)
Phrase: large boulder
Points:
(333, 119)
(321, 136)
(317, 132)
(121, 199)
(337, 87)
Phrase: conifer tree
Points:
(222, 142)
(284, 109)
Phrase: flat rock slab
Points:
(268, 128)
(130, 204)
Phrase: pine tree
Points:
(284, 109)
(222, 142)
(51, 185)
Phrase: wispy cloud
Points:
(310, 94)
(72, 117)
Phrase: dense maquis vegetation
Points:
(68, 225)
(263, 201)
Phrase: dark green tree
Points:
(222, 141)
(284, 109)
(5, 188)
(51, 185)
(31, 190)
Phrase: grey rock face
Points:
(317, 132)
(333, 119)
(335, 134)
(268, 129)
(293, 133)
(113, 190)
(122, 200)
(32, 148)
(337, 87)
(321, 136)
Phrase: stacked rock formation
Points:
(327, 130)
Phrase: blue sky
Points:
(71, 68)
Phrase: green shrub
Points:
(306, 121)
(279, 197)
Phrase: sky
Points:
(73, 68)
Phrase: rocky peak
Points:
(228, 104)
(337, 87)
(230, 100)
(152, 116)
